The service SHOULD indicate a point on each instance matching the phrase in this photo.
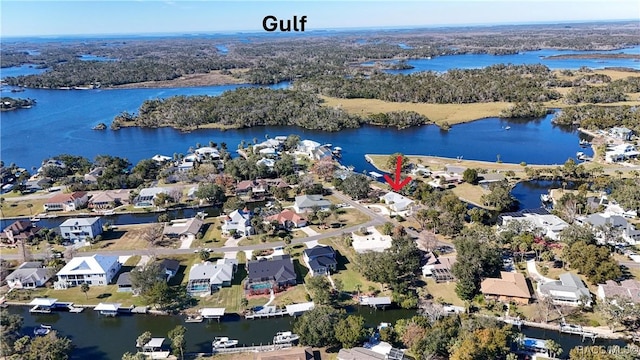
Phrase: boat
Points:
(285, 337)
(42, 330)
(545, 198)
(507, 127)
(580, 155)
(194, 319)
(223, 342)
(584, 142)
(328, 145)
(34, 219)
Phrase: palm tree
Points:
(553, 348)
(29, 206)
(85, 289)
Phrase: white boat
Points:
(285, 337)
(545, 198)
(584, 142)
(507, 127)
(194, 319)
(223, 342)
(34, 219)
(580, 155)
(42, 330)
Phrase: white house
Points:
(569, 290)
(305, 203)
(621, 133)
(66, 202)
(207, 153)
(29, 275)
(550, 224)
(307, 147)
(621, 152)
(238, 221)
(396, 202)
(96, 270)
(78, 229)
(207, 277)
(627, 231)
(147, 196)
(160, 159)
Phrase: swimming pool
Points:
(260, 286)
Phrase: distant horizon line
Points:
(359, 28)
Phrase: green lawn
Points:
(444, 291)
(95, 295)
(346, 271)
(213, 237)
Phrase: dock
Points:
(108, 309)
(273, 311)
(577, 330)
(375, 302)
(259, 348)
(212, 313)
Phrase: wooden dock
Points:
(266, 312)
(259, 348)
(577, 330)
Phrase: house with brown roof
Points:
(19, 230)
(511, 286)
(288, 219)
(257, 188)
(109, 199)
(67, 202)
(629, 289)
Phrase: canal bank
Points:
(118, 334)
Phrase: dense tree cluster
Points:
(599, 117)
(592, 260)
(9, 103)
(494, 83)
(445, 212)
(13, 346)
(627, 193)
(524, 110)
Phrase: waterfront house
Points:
(287, 219)
(305, 203)
(371, 241)
(161, 159)
(169, 267)
(621, 133)
(238, 222)
(359, 353)
(265, 274)
(109, 199)
(182, 228)
(147, 196)
(205, 278)
(92, 176)
(627, 289)
(51, 162)
(550, 225)
(320, 260)
(439, 268)
(620, 153)
(207, 153)
(510, 287)
(396, 202)
(96, 270)
(307, 147)
(29, 275)
(19, 230)
(627, 231)
(569, 290)
(66, 202)
(78, 229)
(257, 188)
(124, 282)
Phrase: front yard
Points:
(351, 279)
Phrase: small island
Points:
(8, 103)
(100, 126)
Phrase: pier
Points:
(577, 330)
(212, 313)
(258, 348)
(273, 311)
(375, 302)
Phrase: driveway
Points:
(309, 231)
(535, 275)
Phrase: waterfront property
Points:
(510, 287)
(569, 290)
(621, 133)
(42, 305)
(287, 219)
(550, 224)
(96, 270)
(170, 267)
(109, 199)
(270, 274)
(107, 309)
(439, 268)
(180, 228)
(29, 275)
(79, 229)
(621, 152)
(146, 197)
(124, 282)
(238, 222)
(204, 278)
(67, 202)
(375, 302)
(255, 188)
(320, 260)
(306, 203)
(359, 353)
(19, 230)
(627, 289)
(396, 202)
(627, 231)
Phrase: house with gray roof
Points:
(626, 230)
(320, 260)
(275, 273)
(206, 277)
(29, 275)
(621, 133)
(182, 227)
(79, 229)
(569, 290)
(147, 196)
(306, 203)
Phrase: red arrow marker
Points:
(397, 184)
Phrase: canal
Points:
(102, 338)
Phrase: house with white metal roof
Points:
(96, 270)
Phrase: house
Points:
(238, 222)
(179, 228)
(307, 147)
(396, 202)
(305, 203)
(550, 225)
(287, 219)
(511, 286)
(359, 353)
(92, 176)
(94, 270)
(320, 260)
(29, 275)
(269, 163)
(19, 230)
(207, 153)
(485, 180)
(147, 196)
(627, 231)
(444, 178)
(204, 278)
(629, 289)
(439, 268)
(124, 282)
(161, 159)
(109, 199)
(51, 162)
(256, 187)
(66, 202)
(169, 267)
(621, 133)
(277, 272)
(569, 290)
(372, 241)
(620, 153)
(78, 229)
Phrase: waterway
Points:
(118, 335)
